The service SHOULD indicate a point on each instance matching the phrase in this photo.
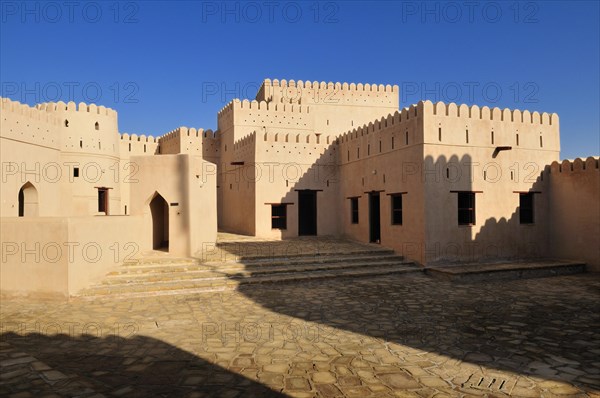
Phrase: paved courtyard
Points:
(402, 335)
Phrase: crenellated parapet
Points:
(191, 141)
(384, 123)
(245, 141)
(452, 124)
(493, 114)
(33, 113)
(284, 137)
(327, 93)
(328, 85)
(244, 149)
(394, 132)
(138, 138)
(575, 166)
(24, 123)
(262, 113)
(133, 144)
(91, 109)
(286, 146)
(85, 128)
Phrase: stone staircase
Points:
(161, 275)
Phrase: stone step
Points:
(506, 271)
(251, 259)
(285, 255)
(251, 265)
(203, 285)
(205, 272)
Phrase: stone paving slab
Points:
(506, 270)
(390, 336)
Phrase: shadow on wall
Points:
(519, 327)
(461, 201)
(140, 366)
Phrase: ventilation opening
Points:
(97, 126)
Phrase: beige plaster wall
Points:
(276, 134)
(187, 183)
(29, 149)
(575, 211)
(384, 156)
(58, 256)
(453, 164)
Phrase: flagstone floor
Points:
(401, 335)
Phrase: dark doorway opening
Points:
(160, 223)
(103, 200)
(28, 201)
(374, 218)
(307, 212)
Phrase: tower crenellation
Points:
(327, 93)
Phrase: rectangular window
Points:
(354, 210)
(526, 208)
(466, 208)
(279, 216)
(396, 209)
(75, 171)
(103, 200)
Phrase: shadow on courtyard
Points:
(511, 326)
(139, 366)
(541, 327)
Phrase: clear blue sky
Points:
(164, 65)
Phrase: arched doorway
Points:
(160, 223)
(28, 201)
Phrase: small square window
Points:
(354, 210)
(526, 208)
(279, 216)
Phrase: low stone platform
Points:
(478, 272)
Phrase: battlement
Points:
(61, 107)
(328, 93)
(190, 140)
(137, 138)
(261, 105)
(243, 142)
(399, 117)
(283, 137)
(262, 113)
(267, 83)
(485, 113)
(34, 113)
(188, 132)
(590, 164)
(133, 144)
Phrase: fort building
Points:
(434, 182)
